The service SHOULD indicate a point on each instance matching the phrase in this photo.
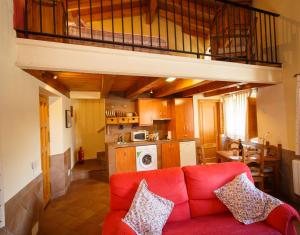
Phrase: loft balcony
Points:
(204, 29)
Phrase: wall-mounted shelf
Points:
(122, 120)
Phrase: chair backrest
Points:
(254, 158)
(206, 158)
(233, 145)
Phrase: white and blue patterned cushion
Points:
(148, 212)
(246, 202)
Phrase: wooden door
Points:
(184, 115)
(189, 118)
(125, 159)
(209, 126)
(45, 148)
(145, 112)
(179, 117)
(170, 155)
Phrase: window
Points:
(235, 108)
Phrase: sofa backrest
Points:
(167, 183)
(201, 181)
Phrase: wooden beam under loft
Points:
(106, 85)
(144, 86)
(207, 86)
(235, 89)
(177, 86)
(48, 78)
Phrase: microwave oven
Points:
(139, 135)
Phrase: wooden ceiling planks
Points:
(133, 86)
(79, 81)
(47, 77)
(177, 86)
(207, 86)
(234, 89)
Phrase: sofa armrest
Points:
(281, 218)
(113, 224)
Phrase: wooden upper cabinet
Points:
(153, 109)
(170, 155)
(161, 109)
(145, 109)
(125, 159)
(183, 118)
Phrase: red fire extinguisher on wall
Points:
(80, 156)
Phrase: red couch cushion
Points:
(202, 180)
(224, 224)
(168, 183)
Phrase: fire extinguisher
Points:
(80, 156)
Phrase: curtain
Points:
(235, 115)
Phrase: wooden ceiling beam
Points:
(235, 89)
(106, 85)
(188, 29)
(47, 77)
(117, 14)
(144, 86)
(106, 9)
(207, 86)
(189, 11)
(85, 4)
(176, 87)
(151, 12)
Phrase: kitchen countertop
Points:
(142, 143)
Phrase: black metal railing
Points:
(209, 29)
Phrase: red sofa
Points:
(197, 211)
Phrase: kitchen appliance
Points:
(141, 135)
(146, 158)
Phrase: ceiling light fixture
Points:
(171, 79)
(238, 86)
(55, 77)
(151, 92)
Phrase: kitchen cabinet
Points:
(187, 153)
(125, 159)
(122, 120)
(145, 112)
(170, 154)
(182, 124)
(161, 109)
(153, 109)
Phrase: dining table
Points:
(269, 161)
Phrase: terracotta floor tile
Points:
(80, 212)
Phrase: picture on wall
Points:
(68, 119)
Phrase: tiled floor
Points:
(80, 212)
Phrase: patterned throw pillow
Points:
(247, 203)
(148, 212)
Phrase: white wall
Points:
(276, 106)
(19, 113)
(35, 54)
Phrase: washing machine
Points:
(146, 158)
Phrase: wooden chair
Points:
(255, 160)
(233, 145)
(208, 158)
